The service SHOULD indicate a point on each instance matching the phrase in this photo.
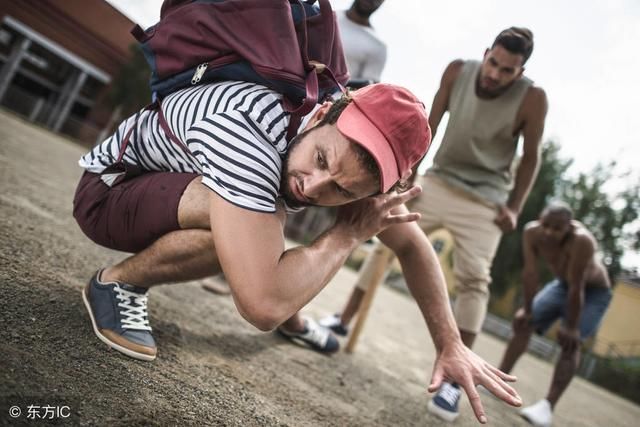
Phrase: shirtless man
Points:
(579, 294)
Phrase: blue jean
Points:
(550, 304)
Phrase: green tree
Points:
(610, 215)
(507, 264)
(130, 88)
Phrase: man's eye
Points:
(320, 160)
(343, 192)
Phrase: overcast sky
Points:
(586, 57)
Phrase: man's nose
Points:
(315, 185)
(492, 74)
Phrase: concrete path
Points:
(213, 368)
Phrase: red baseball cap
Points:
(391, 124)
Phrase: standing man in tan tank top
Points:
(470, 190)
(579, 294)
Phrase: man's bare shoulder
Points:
(531, 232)
(452, 71)
(582, 236)
(455, 65)
(531, 227)
(535, 99)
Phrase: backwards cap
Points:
(391, 124)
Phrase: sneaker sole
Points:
(121, 349)
(533, 423)
(441, 413)
(302, 343)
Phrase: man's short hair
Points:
(558, 207)
(518, 40)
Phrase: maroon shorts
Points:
(134, 213)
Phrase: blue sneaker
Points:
(445, 403)
(314, 336)
(334, 323)
(118, 314)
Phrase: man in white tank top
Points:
(365, 52)
(470, 190)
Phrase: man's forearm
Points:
(302, 272)
(529, 287)
(574, 307)
(425, 280)
(527, 171)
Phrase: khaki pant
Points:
(475, 236)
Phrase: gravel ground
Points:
(213, 368)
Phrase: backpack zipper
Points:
(199, 72)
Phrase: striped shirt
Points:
(234, 132)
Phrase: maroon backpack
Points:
(290, 46)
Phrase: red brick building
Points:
(57, 60)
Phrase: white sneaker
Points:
(334, 323)
(314, 336)
(539, 414)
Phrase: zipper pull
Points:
(199, 73)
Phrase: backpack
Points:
(290, 46)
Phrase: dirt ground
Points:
(213, 368)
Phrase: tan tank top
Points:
(478, 146)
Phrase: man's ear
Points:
(406, 175)
(319, 114)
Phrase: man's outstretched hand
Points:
(458, 364)
(367, 217)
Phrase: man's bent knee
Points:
(193, 209)
(470, 307)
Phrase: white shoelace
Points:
(449, 393)
(134, 316)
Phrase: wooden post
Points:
(379, 263)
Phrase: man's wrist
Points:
(513, 207)
(343, 235)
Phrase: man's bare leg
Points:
(517, 345)
(563, 374)
(176, 257)
(182, 255)
(352, 307)
(468, 338)
(294, 323)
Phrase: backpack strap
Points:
(313, 69)
(157, 107)
(166, 129)
(127, 136)
(311, 100)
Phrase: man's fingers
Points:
(400, 218)
(502, 375)
(500, 388)
(401, 198)
(436, 381)
(476, 403)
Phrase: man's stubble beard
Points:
(285, 190)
